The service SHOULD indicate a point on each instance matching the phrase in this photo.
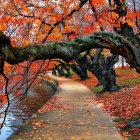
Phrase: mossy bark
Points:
(68, 50)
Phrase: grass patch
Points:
(96, 90)
(125, 78)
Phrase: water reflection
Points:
(16, 116)
(20, 110)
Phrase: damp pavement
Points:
(20, 110)
(76, 116)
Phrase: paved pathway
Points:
(79, 118)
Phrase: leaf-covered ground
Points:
(124, 105)
(71, 114)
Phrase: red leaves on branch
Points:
(3, 99)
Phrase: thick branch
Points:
(68, 50)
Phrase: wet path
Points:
(20, 110)
(75, 117)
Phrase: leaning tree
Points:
(45, 30)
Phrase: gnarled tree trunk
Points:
(101, 68)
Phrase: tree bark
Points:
(68, 50)
(102, 68)
(80, 71)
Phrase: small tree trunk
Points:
(82, 73)
(123, 63)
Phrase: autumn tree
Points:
(34, 32)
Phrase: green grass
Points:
(130, 77)
(96, 90)
(128, 82)
(126, 78)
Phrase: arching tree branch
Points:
(68, 50)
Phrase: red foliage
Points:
(124, 104)
(52, 105)
(3, 99)
(92, 81)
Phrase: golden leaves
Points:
(2, 26)
(99, 2)
(25, 42)
(56, 17)
(37, 21)
(114, 15)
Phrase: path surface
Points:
(79, 119)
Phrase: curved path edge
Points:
(74, 115)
